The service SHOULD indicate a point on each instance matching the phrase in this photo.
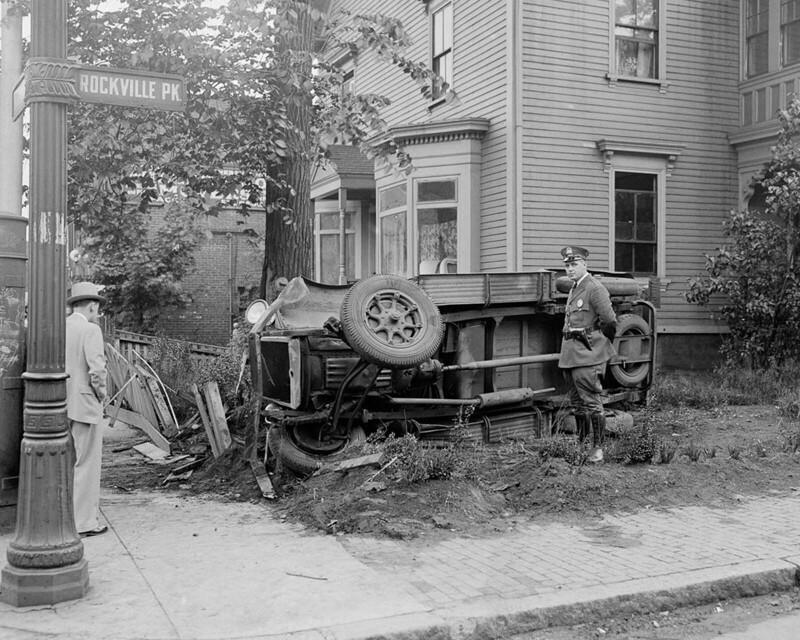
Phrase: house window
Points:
(757, 36)
(636, 223)
(790, 31)
(393, 230)
(437, 228)
(328, 244)
(636, 31)
(442, 45)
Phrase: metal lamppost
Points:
(45, 560)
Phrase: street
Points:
(774, 616)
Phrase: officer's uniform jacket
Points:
(588, 305)
(86, 366)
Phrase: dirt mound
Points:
(719, 457)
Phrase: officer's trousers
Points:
(585, 385)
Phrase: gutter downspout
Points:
(514, 130)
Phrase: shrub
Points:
(637, 446)
(693, 451)
(734, 452)
(565, 447)
(755, 276)
(666, 451)
(178, 368)
(791, 437)
(418, 461)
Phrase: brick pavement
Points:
(180, 567)
(538, 559)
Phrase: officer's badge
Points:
(580, 303)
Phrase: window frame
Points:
(783, 26)
(634, 241)
(635, 163)
(418, 206)
(660, 78)
(434, 9)
(380, 214)
(330, 207)
(748, 37)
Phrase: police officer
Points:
(589, 329)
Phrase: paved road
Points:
(783, 628)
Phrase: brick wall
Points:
(225, 279)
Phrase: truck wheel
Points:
(283, 443)
(629, 375)
(391, 322)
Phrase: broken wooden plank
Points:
(262, 478)
(189, 466)
(140, 422)
(201, 408)
(151, 451)
(168, 426)
(216, 413)
(162, 387)
(177, 477)
(141, 402)
(371, 460)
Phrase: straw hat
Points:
(85, 291)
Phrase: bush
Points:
(178, 368)
(412, 460)
(565, 447)
(755, 276)
(637, 446)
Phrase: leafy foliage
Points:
(176, 365)
(757, 270)
(262, 110)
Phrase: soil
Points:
(721, 455)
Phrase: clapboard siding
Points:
(569, 105)
(479, 84)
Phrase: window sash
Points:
(636, 32)
(442, 45)
(394, 243)
(636, 226)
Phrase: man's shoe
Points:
(94, 532)
(597, 455)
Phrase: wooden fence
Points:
(126, 342)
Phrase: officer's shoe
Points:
(597, 455)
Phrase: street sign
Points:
(129, 88)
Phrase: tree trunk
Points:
(289, 248)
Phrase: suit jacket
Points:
(86, 367)
(588, 306)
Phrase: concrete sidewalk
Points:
(179, 567)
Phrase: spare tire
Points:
(391, 322)
(283, 443)
(630, 375)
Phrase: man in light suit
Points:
(590, 325)
(86, 400)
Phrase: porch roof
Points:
(347, 168)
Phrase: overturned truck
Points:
(438, 356)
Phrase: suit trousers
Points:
(585, 385)
(88, 442)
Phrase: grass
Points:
(729, 385)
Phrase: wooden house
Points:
(629, 127)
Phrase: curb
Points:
(498, 618)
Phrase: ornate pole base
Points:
(31, 587)
(45, 561)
